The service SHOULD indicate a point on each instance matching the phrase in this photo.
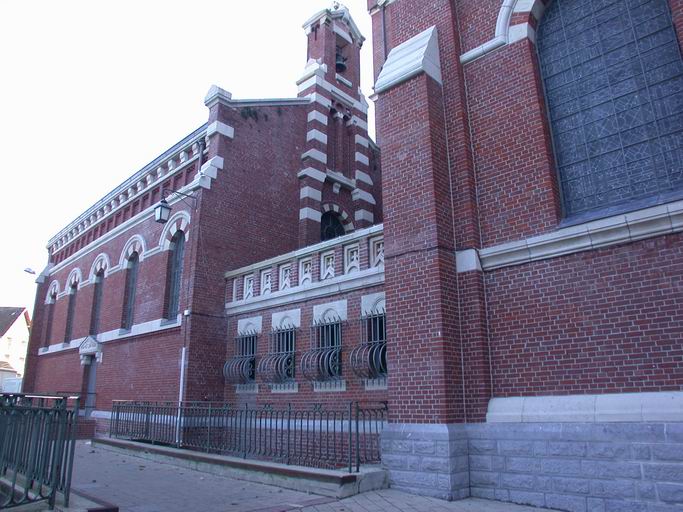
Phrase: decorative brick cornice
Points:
(169, 163)
(335, 286)
(376, 230)
(217, 95)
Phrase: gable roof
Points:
(6, 367)
(7, 318)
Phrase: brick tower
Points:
(337, 163)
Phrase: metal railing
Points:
(87, 401)
(37, 442)
(335, 438)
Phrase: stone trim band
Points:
(619, 229)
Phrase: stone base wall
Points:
(575, 467)
(596, 467)
(430, 460)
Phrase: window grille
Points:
(175, 271)
(70, 313)
(613, 76)
(96, 303)
(369, 359)
(324, 361)
(241, 369)
(279, 365)
(130, 291)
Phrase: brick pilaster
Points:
(421, 282)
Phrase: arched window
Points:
(132, 264)
(175, 272)
(96, 303)
(613, 79)
(50, 318)
(331, 226)
(71, 311)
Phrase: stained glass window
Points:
(97, 303)
(175, 271)
(613, 79)
(129, 293)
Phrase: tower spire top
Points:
(337, 11)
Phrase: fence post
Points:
(72, 450)
(246, 434)
(208, 430)
(57, 450)
(358, 437)
(147, 422)
(289, 429)
(350, 437)
(113, 431)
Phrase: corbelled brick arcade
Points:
(507, 273)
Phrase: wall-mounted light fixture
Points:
(162, 211)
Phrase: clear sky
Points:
(91, 91)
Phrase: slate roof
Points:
(7, 317)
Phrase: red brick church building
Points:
(508, 275)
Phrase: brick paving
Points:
(140, 485)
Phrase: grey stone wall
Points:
(431, 460)
(575, 467)
(579, 467)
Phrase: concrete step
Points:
(78, 502)
(82, 502)
(331, 483)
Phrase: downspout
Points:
(384, 31)
(183, 350)
(181, 394)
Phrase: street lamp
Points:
(30, 271)
(162, 211)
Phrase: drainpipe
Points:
(383, 6)
(183, 350)
(181, 393)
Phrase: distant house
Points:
(15, 325)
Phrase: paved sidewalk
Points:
(139, 485)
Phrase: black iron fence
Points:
(37, 442)
(332, 437)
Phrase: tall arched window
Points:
(175, 272)
(96, 303)
(133, 264)
(613, 79)
(50, 319)
(331, 226)
(71, 311)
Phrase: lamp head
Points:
(162, 212)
